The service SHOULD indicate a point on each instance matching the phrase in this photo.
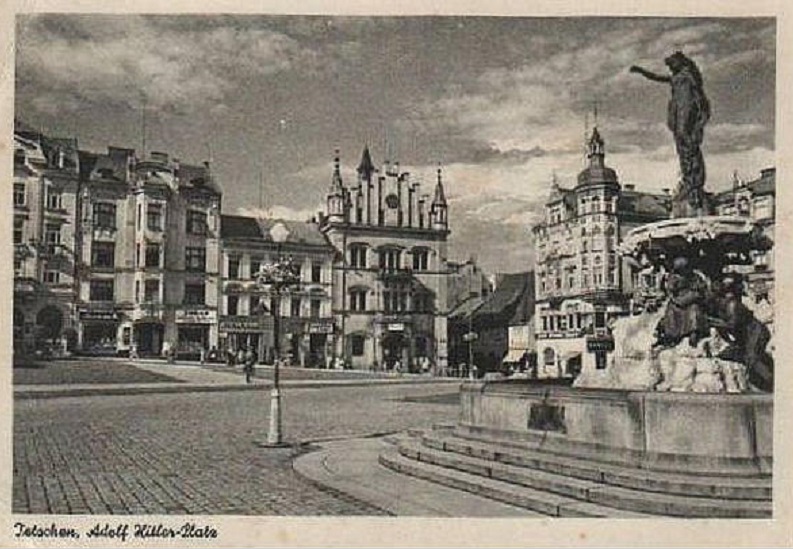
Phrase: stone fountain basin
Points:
(714, 434)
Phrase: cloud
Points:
(124, 60)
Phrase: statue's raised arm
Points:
(687, 115)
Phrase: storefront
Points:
(319, 343)
(193, 332)
(247, 332)
(98, 332)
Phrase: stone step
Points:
(741, 488)
(546, 503)
(587, 490)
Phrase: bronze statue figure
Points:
(688, 112)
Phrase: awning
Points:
(570, 354)
(515, 355)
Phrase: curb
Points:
(191, 388)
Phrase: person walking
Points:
(250, 360)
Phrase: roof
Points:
(765, 184)
(298, 232)
(366, 167)
(197, 177)
(506, 297)
(466, 308)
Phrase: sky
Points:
(501, 103)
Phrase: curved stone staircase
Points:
(562, 485)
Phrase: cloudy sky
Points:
(501, 103)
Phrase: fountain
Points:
(679, 422)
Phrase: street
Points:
(197, 453)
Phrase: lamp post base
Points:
(275, 434)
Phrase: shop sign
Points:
(600, 344)
(246, 324)
(98, 315)
(197, 316)
(396, 327)
(320, 328)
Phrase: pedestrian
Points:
(250, 360)
(202, 357)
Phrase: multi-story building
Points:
(390, 276)
(581, 283)
(45, 199)
(755, 199)
(306, 322)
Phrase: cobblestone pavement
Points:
(197, 453)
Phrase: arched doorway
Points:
(49, 323)
(393, 346)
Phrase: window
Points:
(358, 299)
(154, 217)
(316, 273)
(195, 259)
(600, 360)
(420, 260)
(196, 222)
(54, 199)
(545, 324)
(232, 305)
(17, 266)
(101, 290)
(52, 277)
(389, 259)
(316, 305)
(254, 308)
(19, 234)
(548, 357)
(234, 267)
(137, 291)
(151, 291)
(152, 255)
(19, 194)
(358, 256)
(52, 237)
(562, 320)
(103, 254)
(139, 217)
(105, 215)
(356, 344)
(194, 293)
(295, 307)
(256, 265)
(395, 301)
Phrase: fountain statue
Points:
(695, 334)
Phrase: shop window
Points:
(101, 290)
(295, 307)
(232, 305)
(152, 255)
(197, 223)
(19, 194)
(151, 291)
(195, 259)
(358, 299)
(315, 305)
(357, 344)
(126, 335)
(194, 293)
(549, 357)
(154, 217)
(103, 254)
(358, 256)
(420, 260)
(256, 266)
(105, 215)
(234, 267)
(316, 273)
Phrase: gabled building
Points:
(581, 283)
(247, 309)
(389, 275)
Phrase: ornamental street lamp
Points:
(279, 277)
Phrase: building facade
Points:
(390, 272)
(306, 321)
(581, 283)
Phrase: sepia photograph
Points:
(437, 266)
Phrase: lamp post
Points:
(279, 277)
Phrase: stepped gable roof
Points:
(238, 226)
(299, 232)
(506, 297)
(640, 203)
(196, 177)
